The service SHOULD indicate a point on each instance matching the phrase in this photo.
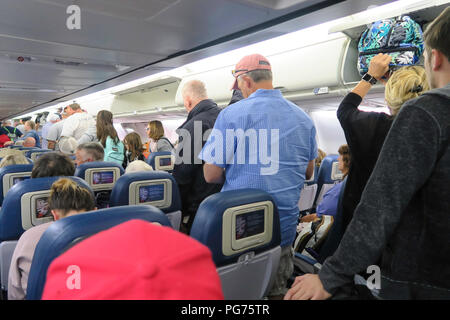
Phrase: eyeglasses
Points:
(233, 72)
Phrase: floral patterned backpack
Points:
(400, 37)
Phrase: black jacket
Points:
(403, 215)
(188, 170)
(365, 133)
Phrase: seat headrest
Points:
(325, 170)
(100, 175)
(34, 154)
(161, 160)
(10, 175)
(232, 223)
(64, 232)
(25, 204)
(157, 188)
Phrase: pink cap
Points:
(250, 63)
(134, 260)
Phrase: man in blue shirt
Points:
(263, 142)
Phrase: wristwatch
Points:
(367, 77)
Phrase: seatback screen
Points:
(105, 177)
(164, 162)
(18, 179)
(42, 209)
(150, 193)
(249, 224)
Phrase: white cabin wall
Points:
(330, 135)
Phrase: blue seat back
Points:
(327, 176)
(161, 161)
(11, 174)
(126, 192)
(242, 230)
(209, 222)
(22, 203)
(100, 175)
(66, 232)
(35, 153)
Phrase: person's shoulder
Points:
(34, 232)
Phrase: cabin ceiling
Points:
(42, 62)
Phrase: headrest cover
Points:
(135, 260)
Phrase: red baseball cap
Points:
(250, 63)
(135, 260)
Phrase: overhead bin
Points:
(314, 70)
(152, 97)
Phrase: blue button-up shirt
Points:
(265, 142)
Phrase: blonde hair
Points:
(138, 165)
(4, 152)
(13, 159)
(406, 83)
(320, 155)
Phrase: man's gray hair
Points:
(195, 89)
(260, 75)
(94, 149)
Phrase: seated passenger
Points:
(329, 203)
(320, 155)
(4, 139)
(13, 159)
(89, 152)
(115, 264)
(158, 142)
(68, 146)
(138, 165)
(30, 131)
(29, 142)
(107, 135)
(53, 164)
(66, 199)
(133, 147)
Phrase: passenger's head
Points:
(193, 92)
(404, 84)
(68, 145)
(344, 159)
(53, 164)
(252, 72)
(155, 130)
(137, 166)
(320, 155)
(53, 118)
(115, 264)
(133, 144)
(13, 159)
(68, 198)
(437, 50)
(6, 123)
(89, 152)
(73, 108)
(105, 127)
(30, 125)
(29, 142)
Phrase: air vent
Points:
(67, 63)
